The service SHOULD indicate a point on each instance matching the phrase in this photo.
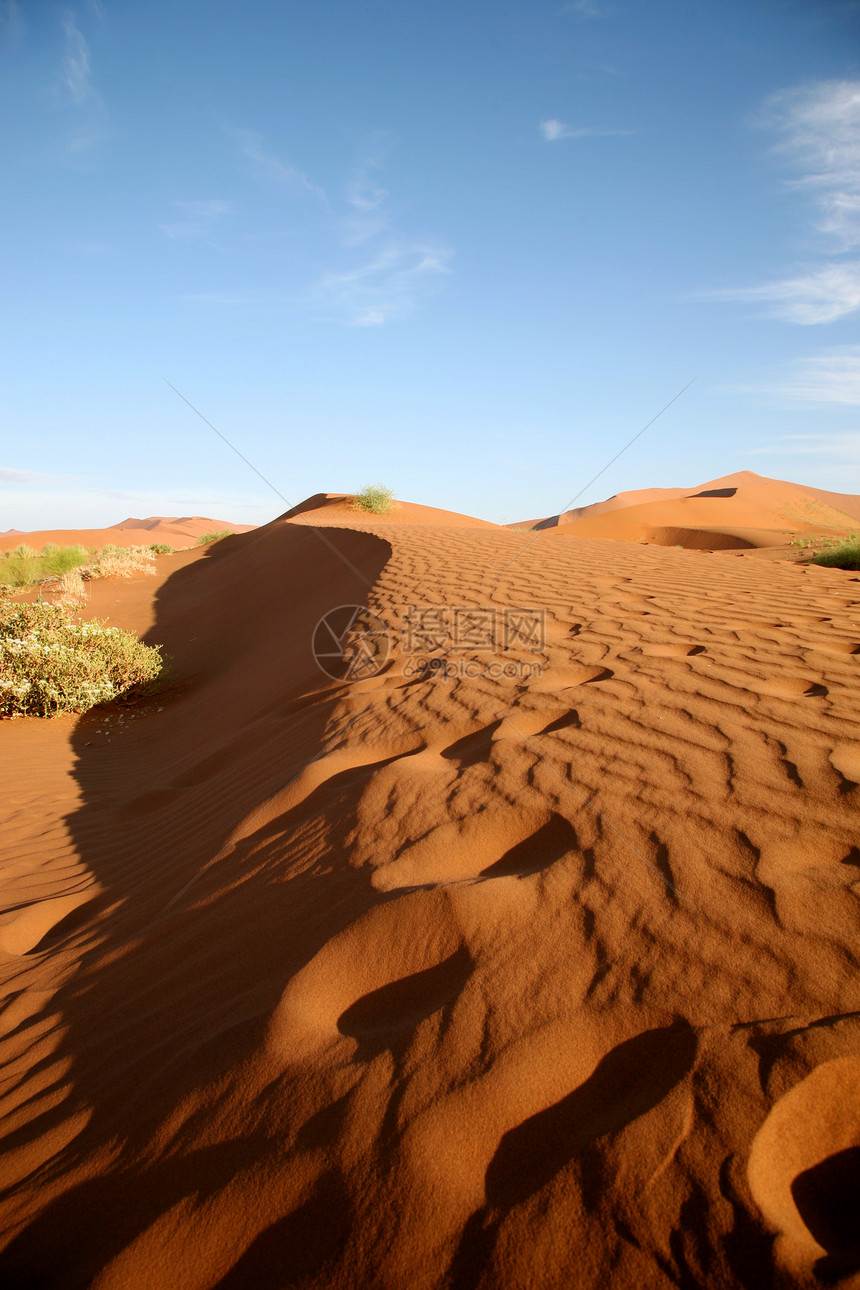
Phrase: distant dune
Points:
(178, 532)
(517, 948)
(736, 511)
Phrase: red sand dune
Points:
(740, 510)
(178, 532)
(535, 968)
(329, 508)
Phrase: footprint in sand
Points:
(30, 927)
(846, 759)
(387, 1017)
(549, 843)
(628, 1082)
(466, 850)
(673, 649)
(375, 981)
(839, 647)
(804, 1170)
(789, 687)
(569, 675)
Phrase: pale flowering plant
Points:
(52, 663)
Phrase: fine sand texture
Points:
(516, 956)
(177, 532)
(739, 511)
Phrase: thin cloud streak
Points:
(11, 23)
(77, 73)
(88, 114)
(8, 475)
(586, 9)
(386, 287)
(273, 168)
(369, 211)
(817, 296)
(375, 271)
(819, 125)
(840, 447)
(202, 215)
(553, 130)
(819, 380)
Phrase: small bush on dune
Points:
(375, 498)
(51, 663)
(845, 555)
(161, 548)
(214, 537)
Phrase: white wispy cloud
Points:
(817, 380)
(77, 72)
(8, 475)
(11, 23)
(88, 117)
(389, 285)
(268, 164)
(369, 212)
(200, 216)
(396, 270)
(554, 129)
(819, 129)
(586, 9)
(375, 270)
(837, 447)
(815, 295)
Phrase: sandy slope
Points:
(737, 511)
(178, 532)
(440, 980)
(329, 508)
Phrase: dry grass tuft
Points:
(69, 589)
(121, 562)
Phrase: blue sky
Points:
(467, 248)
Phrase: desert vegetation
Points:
(50, 662)
(24, 567)
(374, 498)
(842, 555)
(215, 536)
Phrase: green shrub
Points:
(845, 555)
(375, 498)
(51, 663)
(22, 567)
(161, 548)
(214, 537)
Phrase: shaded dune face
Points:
(444, 979)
